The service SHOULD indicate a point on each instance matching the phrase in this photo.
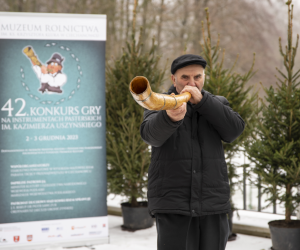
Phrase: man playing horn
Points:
(188, 189)
(51, 76)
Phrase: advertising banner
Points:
(52, 134)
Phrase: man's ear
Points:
(173, 80)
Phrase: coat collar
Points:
(172, 89)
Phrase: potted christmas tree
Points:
(276, 147)
(222, 80)
(127, 155)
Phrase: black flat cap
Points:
(185, 60)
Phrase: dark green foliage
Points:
(224, 82)
(127, 155)
(276, 147)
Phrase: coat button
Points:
(193, 211)
(194, 171)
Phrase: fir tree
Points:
(127, 155)
(223, 81)
(276, 147)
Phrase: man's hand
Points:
(44, 69)
(195, 92)
(177, 114)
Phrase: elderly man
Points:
(188, 189)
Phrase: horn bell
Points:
(141, 92)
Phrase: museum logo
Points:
(45, 229)
(81, 227)
(16, 238)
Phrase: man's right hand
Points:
(44, 69)
(177, 114)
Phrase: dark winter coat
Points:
(188, 172)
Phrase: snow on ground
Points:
(257, 219)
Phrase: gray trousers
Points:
(179, 232)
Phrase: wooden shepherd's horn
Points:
(29, 52)
(141, 92)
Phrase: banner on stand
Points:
(52, 134)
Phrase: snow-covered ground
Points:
(257, 219)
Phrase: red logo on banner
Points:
(104, 225)
(29, 237)
(16, 238)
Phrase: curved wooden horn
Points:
(29, 52)
(141, 92)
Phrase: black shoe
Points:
(232, 237)
(43, 87)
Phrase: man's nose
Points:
(192, 82)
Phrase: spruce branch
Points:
(134, 16)
(281, 73)
(280, 47)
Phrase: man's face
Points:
(191, 75)
(53, 67)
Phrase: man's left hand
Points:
(195, 92)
